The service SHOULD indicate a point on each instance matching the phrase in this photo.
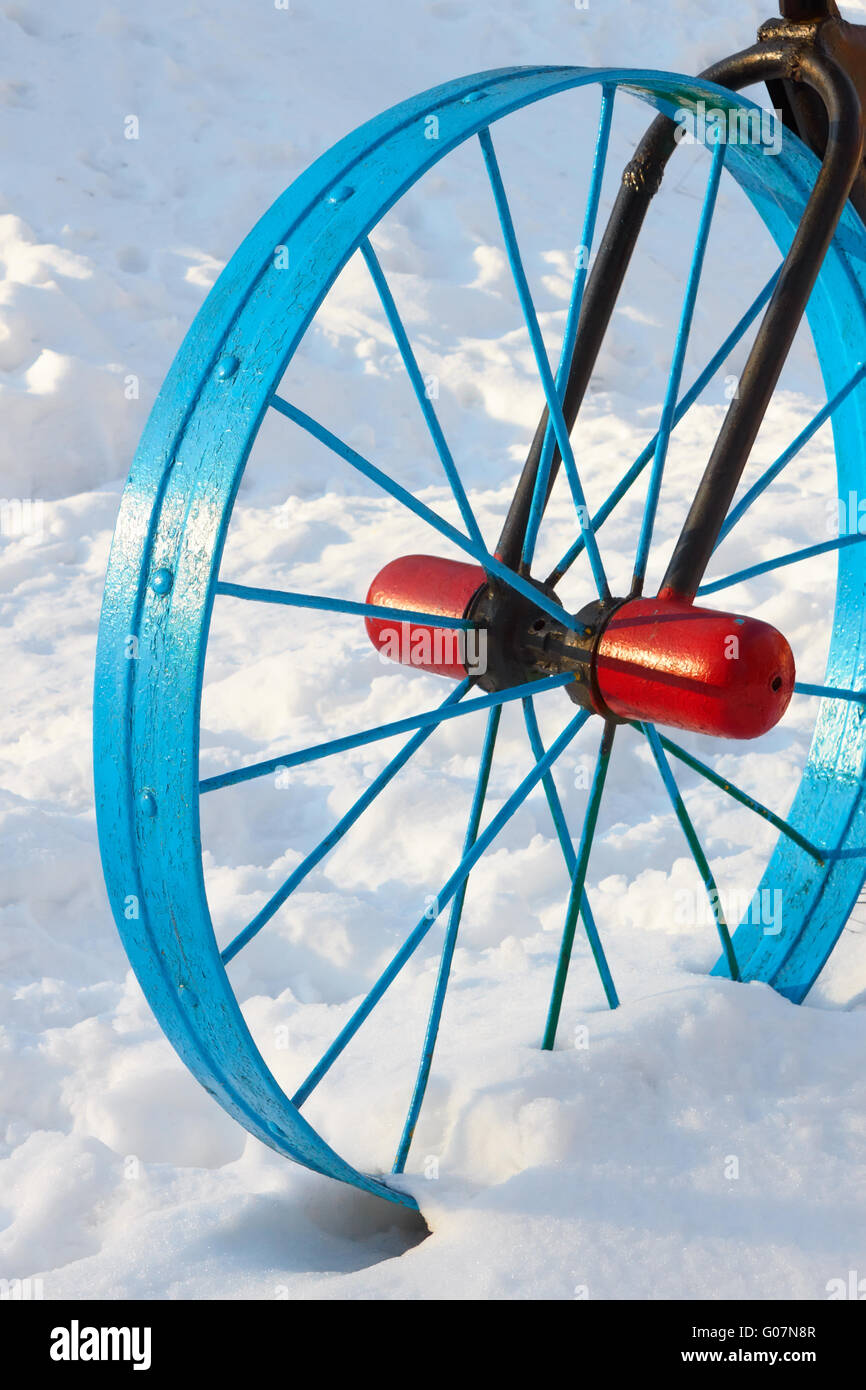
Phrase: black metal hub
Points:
(524, 643)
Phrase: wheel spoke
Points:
(687, 401)
(340, 605)
(553, 801)
(561, 827)
(668, 409)
(478, 553)
(448, 947)
(551, 395)
(397, 726)
(417, 380)
(830, 692)
(542, 479)
(694, 844)
(823, 415)
(578, 881)
(792, 558)
(743, 797)
(333, 837)
(467, 863)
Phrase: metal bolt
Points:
(341, 194)
(147, 803)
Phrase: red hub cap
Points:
(659, 660)
(671, 663)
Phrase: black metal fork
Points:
(814, 66)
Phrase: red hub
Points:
(655, 659)
(425, 584)
(715, 673)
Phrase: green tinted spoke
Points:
(577, 886)
(694, 844)
(743, 797)
(561, 827)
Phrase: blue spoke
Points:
(694, 844)
(435, 1016)
(830, 692)
(397, 726)
(553, 801)
(340, 605)
(478, 553)
(561, 827)
(667, 418)
(333, 837)
(413, 941)
(792, 558)
(578, 882)
(743, 797)
(539, 493)
(821, 418)
(540, 353)
(698, 386)
(417, 380)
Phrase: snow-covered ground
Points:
(705, 1139)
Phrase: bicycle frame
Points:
(814, 66)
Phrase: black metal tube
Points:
(640, 182)
(778, 327)
(604, 282)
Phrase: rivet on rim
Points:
(162, 580)
(227, 366)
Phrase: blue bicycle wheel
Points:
(233, 373)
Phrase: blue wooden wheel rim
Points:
(173, 520)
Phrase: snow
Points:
(705, 1139)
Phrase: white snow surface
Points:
(705, 1139)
